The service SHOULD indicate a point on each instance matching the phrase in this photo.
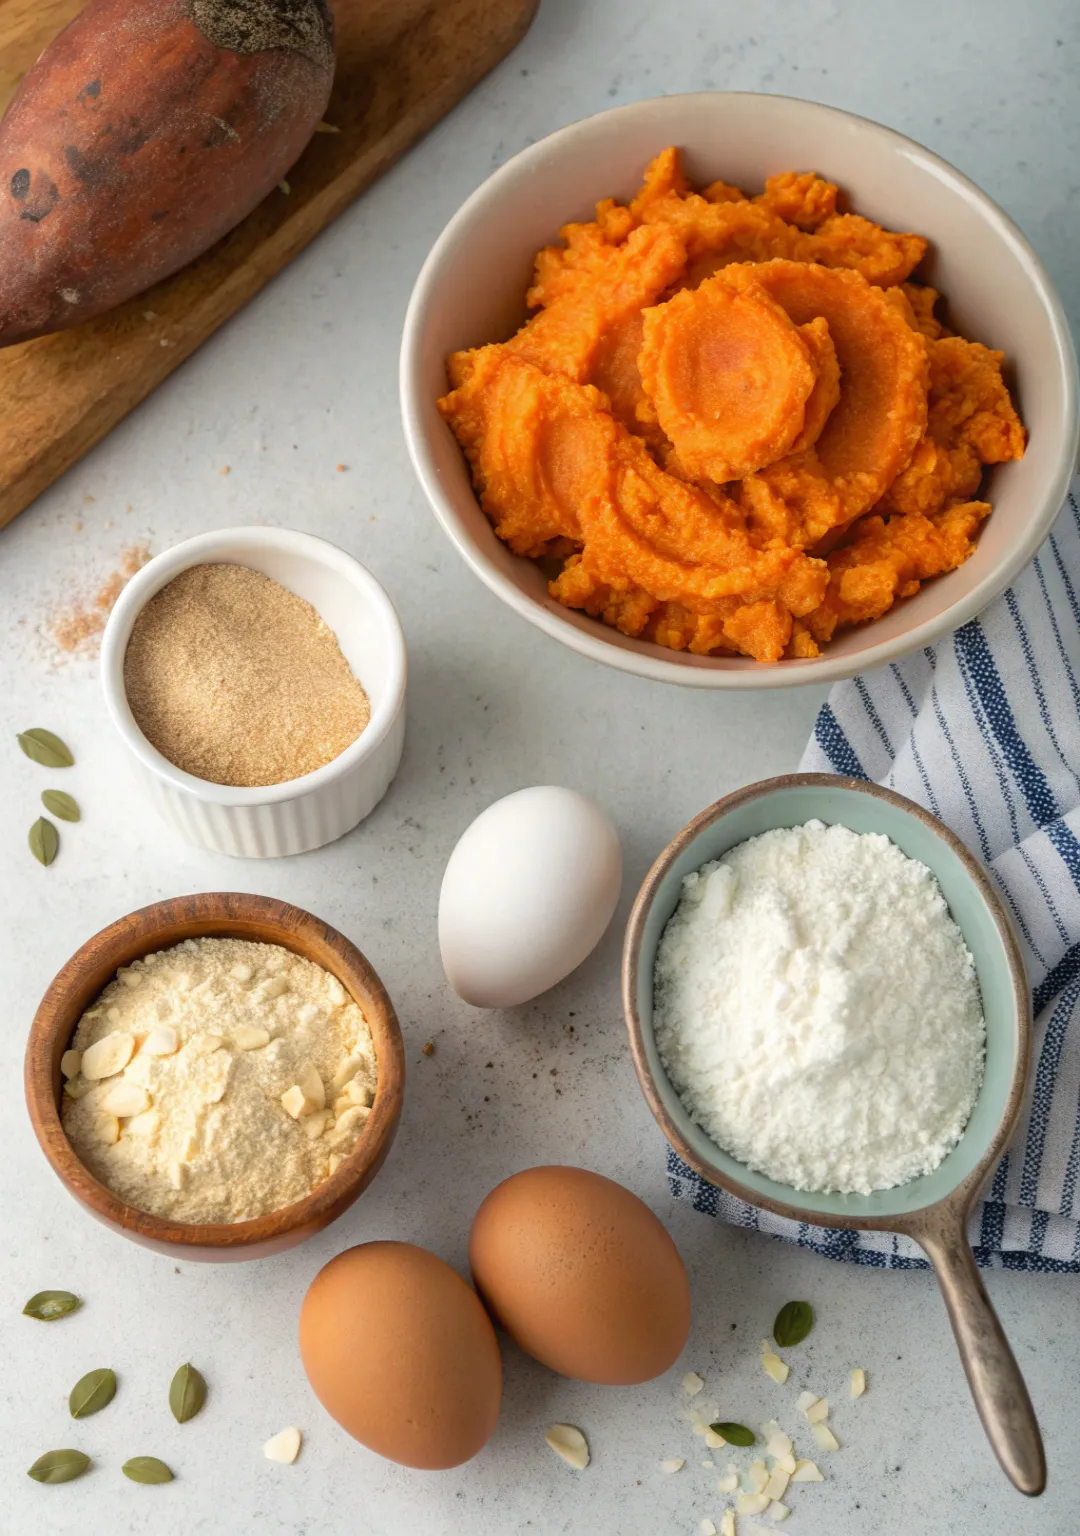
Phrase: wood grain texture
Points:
(221, 915)
(402, 64)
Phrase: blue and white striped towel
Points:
(984, 730)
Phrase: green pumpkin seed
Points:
(92, 1392)
(187, 1393)
(146, 1469)
(47, 1306)
(734, 1434)
(44, 840)
(793, 1322)
(45, 748)
(59, 1466)
(60, 804)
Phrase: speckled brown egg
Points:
(400, 1351)
(581, 1275)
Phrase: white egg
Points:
(527, 895)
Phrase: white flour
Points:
(818, 1011)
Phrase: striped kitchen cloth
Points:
(984, 730)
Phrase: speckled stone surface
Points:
(304, 380)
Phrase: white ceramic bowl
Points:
(302, 813)
(471, 290)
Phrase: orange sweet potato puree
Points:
(735, 424)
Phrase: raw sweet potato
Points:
(144, 133)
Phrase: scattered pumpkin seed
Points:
(60, 804)
(734, 1434)
(793, 1322)
(44, 840)
(92, 1392)
(59, 1466)
(146, 1469)
(45, 748)
(47, 1306)
(187, 1394)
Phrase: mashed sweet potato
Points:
(729, 376)
(734, 424)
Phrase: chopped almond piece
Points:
(752, 1503)
(824, 1438)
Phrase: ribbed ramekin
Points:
(270, 821)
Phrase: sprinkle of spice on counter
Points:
(238, 681)
(78, 627)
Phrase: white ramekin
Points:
(268, 822)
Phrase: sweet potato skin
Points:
(134, 143)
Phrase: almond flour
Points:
(238, 681)
(218, 1080)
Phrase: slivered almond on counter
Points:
(567, 1441)
(773, 1364)
(283, 1447)
(807, 1472)
(752, 1503)
(824, 1438)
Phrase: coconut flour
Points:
(218, 1080)
(818, 1010)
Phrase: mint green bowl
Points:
(932, 1209)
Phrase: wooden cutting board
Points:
(402, 64)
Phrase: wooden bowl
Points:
(214, 914)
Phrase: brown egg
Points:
(399, 1350)
(581, 1275)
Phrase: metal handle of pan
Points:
(997, 1386)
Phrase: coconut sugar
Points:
(238, 681)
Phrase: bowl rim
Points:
(961, 1197)
(200, 550)
(160, 925)
(649, 663)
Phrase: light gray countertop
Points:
(303, 380)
